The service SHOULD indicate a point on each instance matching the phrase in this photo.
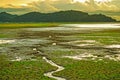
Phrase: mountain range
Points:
(61, 16)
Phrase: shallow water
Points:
(113, 46)
(66, 41)
(69, 27)
(6, 41)
(116, 25)
(62, 38)
(50, 74)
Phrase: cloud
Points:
(57, 5)
(45, 6)
(15, 9)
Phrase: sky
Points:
(108, 7)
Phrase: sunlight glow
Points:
(82, 1)
(102, 1)
(24, 5)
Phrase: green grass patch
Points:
(89, 70)
(6, 35)
(27, 25)
(109, 36)
(108, 32)
(24, 70)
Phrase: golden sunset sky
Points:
(107, 7)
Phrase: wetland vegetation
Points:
(85, 53)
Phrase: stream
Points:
(50, 74)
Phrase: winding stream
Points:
(50, 74)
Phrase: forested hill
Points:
(62, 16)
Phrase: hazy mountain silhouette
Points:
(6, 17)
(62, 16)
